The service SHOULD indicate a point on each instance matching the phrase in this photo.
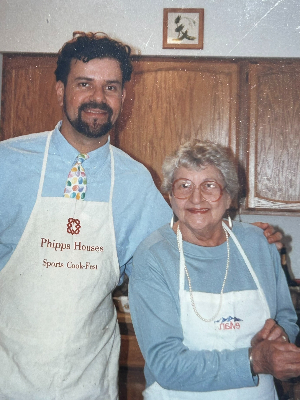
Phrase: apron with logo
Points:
(223, 333)
(59, 333)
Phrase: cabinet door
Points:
(28, 95)
(169, 102)
(274, 142)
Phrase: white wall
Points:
(289, 226)
(261, 28)
(232, 28)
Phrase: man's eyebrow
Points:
(114, 81)
(83, 78)
(109, 81)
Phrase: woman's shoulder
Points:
(249, 235)
(156, 240)
(156, 255)
(245, 228)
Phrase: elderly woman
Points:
(205, 295)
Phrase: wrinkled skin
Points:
(273, 354)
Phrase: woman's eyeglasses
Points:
(210, 190)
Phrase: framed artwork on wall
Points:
(183, 28)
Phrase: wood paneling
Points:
(131, 384)
(131, 375)
(274, 145)
(131, 355)
(169, 102)
(28, 95)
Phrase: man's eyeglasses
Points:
(210, 190)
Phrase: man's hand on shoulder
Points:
(270, 234)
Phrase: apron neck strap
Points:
(41, 184)
(246, 259)
(112, 178)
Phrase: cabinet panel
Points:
(169, 102)
(274, 145)
(28, 95)
(131, 376)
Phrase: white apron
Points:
(59, 333)
(218, 336)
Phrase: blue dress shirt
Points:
(138, 207)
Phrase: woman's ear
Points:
(228, 201)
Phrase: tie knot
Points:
(81, 158)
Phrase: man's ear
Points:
(60, 90)
(123, 95)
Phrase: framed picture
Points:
(183, 28)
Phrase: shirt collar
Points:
(68, 153)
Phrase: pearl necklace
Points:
(179, 243)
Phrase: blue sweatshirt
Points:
(155, 307)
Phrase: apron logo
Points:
(227, 323)
(73, 226)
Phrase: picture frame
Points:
(183, 28)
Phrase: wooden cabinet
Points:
(171, 101)
(274, 136)
(131, 372)
(28, 95)
(131, 355)
(253, 107)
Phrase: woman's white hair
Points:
(196, 154)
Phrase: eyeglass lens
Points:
(210, 190)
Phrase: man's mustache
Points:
(94, 104)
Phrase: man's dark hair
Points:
(86, 47)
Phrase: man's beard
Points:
(94, 129)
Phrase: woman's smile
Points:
(198, 210)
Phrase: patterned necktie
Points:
(76, 182)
